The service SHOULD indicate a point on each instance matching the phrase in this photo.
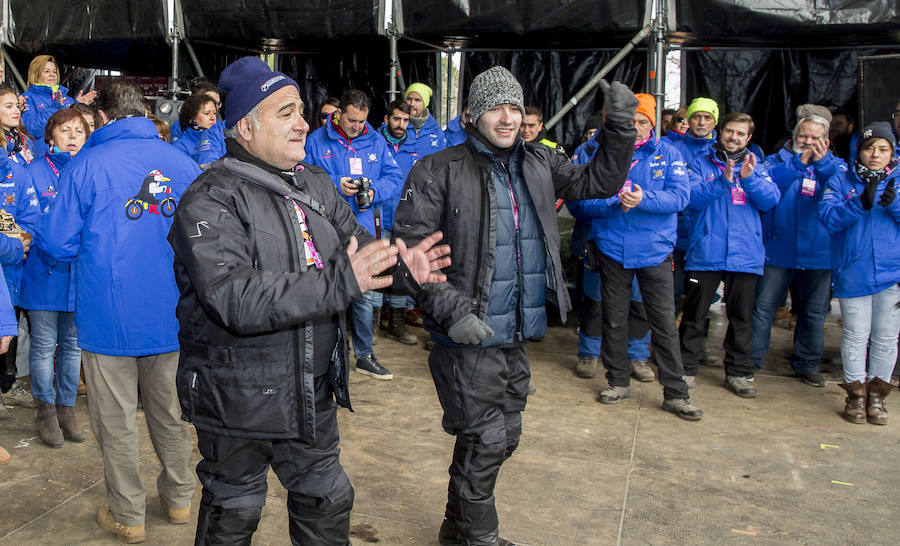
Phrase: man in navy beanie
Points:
(268, 256)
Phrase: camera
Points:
(362, 185)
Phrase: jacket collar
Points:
(127, 128)
(41, 89)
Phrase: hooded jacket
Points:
(794, 236)
(17, 197)
(645, 235)
(690, 147)
(453, 191)
(47, 285)
(112, 213)
(725, 235)
(39, 106)
(865, 244)
(367, 155)
(406, 155)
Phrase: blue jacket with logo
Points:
(39, 106)
(369, 151)
(427, 140)
(113, 213)
(645, 235)
(726, 236)
(455, 134)
(690, 148)
(865, 244)
(17, 197)
(47, 285)
(792, 232)
(203, 146)
(406, 155)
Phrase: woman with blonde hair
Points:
(44, 96)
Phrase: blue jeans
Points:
(50, 329)
(871, 324)
(813, 290)
(361, 317)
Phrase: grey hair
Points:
(252, 116)
(812, 119)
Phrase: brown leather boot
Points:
(48, 424)
(855, 406)
(70, 429)
(5, 457)
(397, 328)
(875, 409)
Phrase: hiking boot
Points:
(396, 329)
(531, 389)
(683, 408)
(4, 413)
(813, 379)
(878, 390)
(125, 533)
(586, 367)
(448, 535)
(48, 424)
(413, 317)
(641, 371)
(613, 395)
(690, 380)
(369, 365)
(739, 385)
(855, 404)
(380, 317)
(710, 359)
(177, 516)
(20, 395)
(70, 429)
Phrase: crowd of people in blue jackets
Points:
(703, 205)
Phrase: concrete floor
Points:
(783, 468)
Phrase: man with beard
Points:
(424, 133)
(798, 247)
(495, 197)
(729, 189)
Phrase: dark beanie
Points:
(246, 83)
(878, 129)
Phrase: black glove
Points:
(889, 194)
(619, 101)
(867, 198)
(469, 330)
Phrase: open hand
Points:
(371, 260)
(4, 344)
(749, 165)
(86, 98)
(426, 258)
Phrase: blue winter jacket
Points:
(326, 148)
(865, 244)
(203, 146)
(427, 140)
(47, 285)
(455, 134)
(19, 198)
(792, 233)
(113, 213)
(406, 156)
(726, 236)
(8, 324)
(690, 147)
(645, 235)
(39, 106)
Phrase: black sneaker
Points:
(448, 535)
(369, 365)
(813, 379)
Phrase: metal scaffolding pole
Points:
(658, 74)
(638, 38)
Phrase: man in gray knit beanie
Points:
(494, 199)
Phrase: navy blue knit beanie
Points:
(247, 82)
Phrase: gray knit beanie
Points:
(492, 87)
